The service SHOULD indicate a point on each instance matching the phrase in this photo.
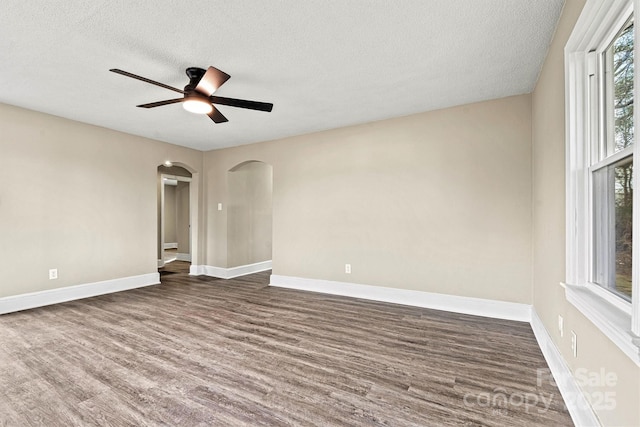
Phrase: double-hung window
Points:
(603, 255)
(611, 135)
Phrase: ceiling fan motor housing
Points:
(195, 75)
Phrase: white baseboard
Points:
(577, 404)
(171, 246)
(196, 270)
(457, 304)
(229, 273)
(54, 296)
(183, 257)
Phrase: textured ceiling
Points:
(322, 63)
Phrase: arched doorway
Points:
(249, 217)
(177, 214)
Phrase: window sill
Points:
(614, 322)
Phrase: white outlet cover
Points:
(53, 274)
(561, 325)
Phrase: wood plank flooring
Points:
(199, 351)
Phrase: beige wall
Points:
(170, 210)
(182, 217)
(438, 202)
(78, 198)
(595, 350)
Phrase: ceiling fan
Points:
(198, 93)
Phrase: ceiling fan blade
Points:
(160, 103)
(146, 80)
(242, 103)
(211, 81)
(217, 116)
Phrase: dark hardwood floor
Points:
(199, 351)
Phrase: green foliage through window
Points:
(620, 53)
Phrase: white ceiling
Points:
(322, 63)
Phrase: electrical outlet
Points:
(219, 206)
(53, 274)
(574, 344)
(561, 326)
(347, 268)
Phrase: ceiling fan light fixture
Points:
(197, 105)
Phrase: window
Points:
(611, 169)
(602, 281)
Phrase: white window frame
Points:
(614, 316)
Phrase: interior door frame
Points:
(190, 180)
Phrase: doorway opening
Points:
(175, 242)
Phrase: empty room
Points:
(319, 213)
